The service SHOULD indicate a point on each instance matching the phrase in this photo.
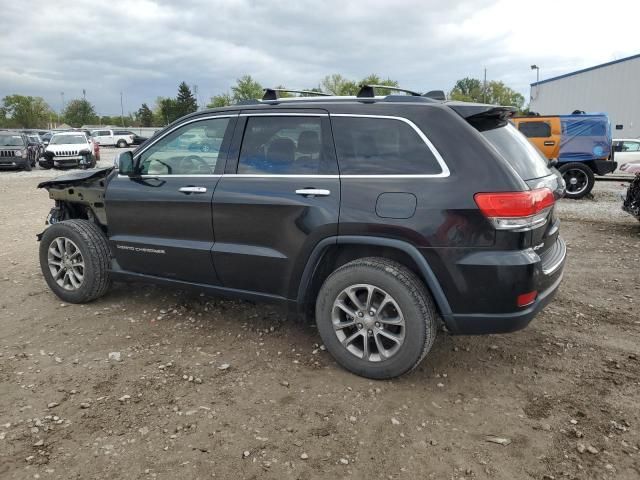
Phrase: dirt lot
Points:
(207, 388)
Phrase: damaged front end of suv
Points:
(631, 201)
(78, 195)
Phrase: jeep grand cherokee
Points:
(382, 217)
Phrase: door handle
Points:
(193, 189)
(315, 192)
(549, 143)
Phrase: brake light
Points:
(519, 211)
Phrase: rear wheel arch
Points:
(331, 253)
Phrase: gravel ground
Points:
(148, 382)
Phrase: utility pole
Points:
(62, 96)
(84, 94)
(484, 87)
(195, 94)
(121, 110)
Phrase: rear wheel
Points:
(74, 259)
(376, 318)
(579, 179)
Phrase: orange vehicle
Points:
(543, 132)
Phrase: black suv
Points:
(384, 217)
(15, 151)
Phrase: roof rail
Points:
(368, 91)
(272, 93)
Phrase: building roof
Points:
(632, 57)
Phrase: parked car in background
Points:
(14, 151)
(69, 149)
(581, 143)
(631, 198)
(382, 218)
(46, 137)
(626, 150)
(117, 138)
(632, 166)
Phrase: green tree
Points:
(145, 115)
(467, 90)
(499, 94)
(336, 84)
(185, 102)
(168, 110)
(222, 100)
(246, 88)
(80, 112)
(25, 112)
(495, 93)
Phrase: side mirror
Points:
(553, 163)
(124, 163)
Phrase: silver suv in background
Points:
(117, 138)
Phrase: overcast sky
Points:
(145, 48)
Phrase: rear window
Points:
(381, 146)
(535, 129)
(525, 159)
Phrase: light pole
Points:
(537, 69)
(121, 111)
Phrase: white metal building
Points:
(612, 88)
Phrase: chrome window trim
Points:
(197, 119)
(443, 166)
(284, 114)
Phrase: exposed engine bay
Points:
(78, 195)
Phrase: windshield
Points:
(518, 152)
(11, 141)
(67, 139)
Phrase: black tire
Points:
(94, 250)
(415, 304)
(27, 165)
(121, 144)
(45, 166)
(578, 178)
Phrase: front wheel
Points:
(75, 259)
(579, 179)
(121, 144)
(27, 165)
(376, 318)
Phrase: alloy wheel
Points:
(368, 322)
(66, 263)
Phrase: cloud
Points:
(145, 48)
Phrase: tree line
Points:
(20, 111)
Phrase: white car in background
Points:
(117, 138)
(69, 149)
(626, 150)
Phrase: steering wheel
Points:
(192, 163)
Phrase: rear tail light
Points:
(517, 211)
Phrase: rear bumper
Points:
(602, 167)
(483, 323)
(543, 274)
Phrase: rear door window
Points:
(535, 129)
(281, 145)
(381, 146)
(525, 159)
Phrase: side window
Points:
(381, 146)
(192, 149)
(631, 146)
(285, 145)
(102, 133)
(535, 129)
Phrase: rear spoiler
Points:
(479, 111)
